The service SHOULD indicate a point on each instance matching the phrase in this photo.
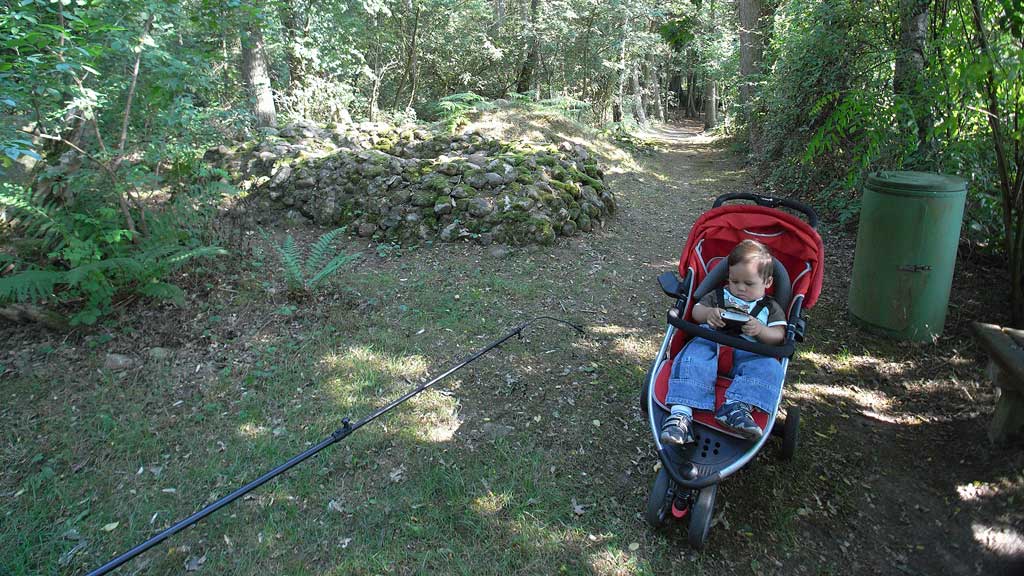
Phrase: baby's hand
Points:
(715, 318)
(753, 327)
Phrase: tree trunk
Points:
(691, 94)
(526, 72)
(294, 21)
(655, 84)
(255, 72)
(410, 55)
(908, 78)
(639, 106)
(1011, 185)
(711, 99)
(710, 104)
(751, 57)
(620, 98)
(675, 86)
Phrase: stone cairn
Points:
(406, 184)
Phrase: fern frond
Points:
(34, 219)
(292, 262)
(163, 291)
(318, 252)
(29, 285)
(331, 267)
(125, 265)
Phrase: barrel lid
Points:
(908, 181)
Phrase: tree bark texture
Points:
(257, 77)
(908, 78)
(710, 104)
(751, 58)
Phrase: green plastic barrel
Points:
(906, 252)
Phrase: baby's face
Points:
(745, 282)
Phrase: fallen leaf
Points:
(577, 509)
(110, 527)
(634, 546)
(344, 542)
(336, 506)
(596, 423)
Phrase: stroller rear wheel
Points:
(659, 502)
(700, 517)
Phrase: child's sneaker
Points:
(736, 416)
(677, 430)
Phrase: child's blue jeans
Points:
(757, 379)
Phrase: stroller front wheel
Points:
(643, 390)
(659, 502)
(700, 517)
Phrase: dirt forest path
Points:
(894, 474)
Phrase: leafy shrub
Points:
(82, 254)
(453, 110)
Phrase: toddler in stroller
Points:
(741, 306)
(728, 427)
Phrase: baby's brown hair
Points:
(753, 250)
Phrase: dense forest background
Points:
(112, 104)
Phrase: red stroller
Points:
(688, 479)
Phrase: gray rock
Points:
(477, 179)
(494, 179)
(117, 362)
(481, 207)
(569, 228)
(493, 431)
(443, 207)
(305, 183)
(366, 229)
(422, 198)
(477, 159)
(449, 231)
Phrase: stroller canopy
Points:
(793, 242)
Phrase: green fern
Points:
(97, 282)
(303, 275)
(319, 251)
(29, 285)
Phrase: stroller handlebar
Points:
(784, 351)
(771, 202)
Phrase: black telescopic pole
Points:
(336, 436)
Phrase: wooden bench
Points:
(1005, 348)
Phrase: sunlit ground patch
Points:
(613, 562)
(1001, 540)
